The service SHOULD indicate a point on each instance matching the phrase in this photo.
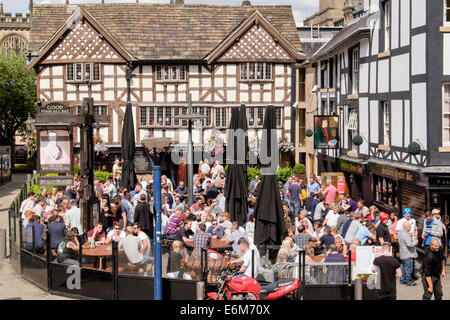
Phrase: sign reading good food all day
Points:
(55, 108)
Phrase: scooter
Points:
(235, 287)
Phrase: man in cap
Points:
(383, 234)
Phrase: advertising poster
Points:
(54, 151)
(326, 132)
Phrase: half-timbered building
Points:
(222, 56)
(386, 75)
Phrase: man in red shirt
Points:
(97, 234)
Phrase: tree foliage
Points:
(17, 95)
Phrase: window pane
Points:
(446, 137)
(151, 116)
(166, 73)
(79, 71)
(251, 117)
(158, 73)
(244, 75)
(96, 71)
(174, 73)
(278, 117)
(260, 73)
(260, 116)
(143, 116)
(160, 116)
(87, 71)
(446, 122)
(168, 116)
(268, 71)
(182, 72)
(252, 71)
(448, 16)
(69, 72)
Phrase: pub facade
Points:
(219, 56)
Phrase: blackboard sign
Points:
(142, 163)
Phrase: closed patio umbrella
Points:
(128, 150)
(236, 179)
(269, 226)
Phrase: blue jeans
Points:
(407, 266)
(295, 206)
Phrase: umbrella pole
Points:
(157, 234)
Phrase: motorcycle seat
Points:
(274, 285)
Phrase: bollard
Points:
(358, 289)
(2, 243)
(200, 290)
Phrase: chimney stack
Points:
(246, 3)
(1, 8)
(175, 1)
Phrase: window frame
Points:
(386, 116)
(446, 18)
(171, 73)
(354, 58)
(92, 66)
(248, 69)
(444, 114)
(168, 112)
(387, 25)
(253, 114)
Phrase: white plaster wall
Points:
(419, 111)
(364, 124)
(419, 13)
(363, 78)
(404, 22)
(407, 126)
(374, 110)
(418, 53)
(383, 75)
(396, 122)
(395, 23)
(400, 73)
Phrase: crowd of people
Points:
(322, 222)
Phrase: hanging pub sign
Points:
(326, 132)
(60, 181)
(55, 151)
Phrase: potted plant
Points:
(300, 171)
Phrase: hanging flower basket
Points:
(214, 145)
(100, 148)
(30, 142)
(285, 145)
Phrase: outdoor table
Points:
(215, 244)
(98, 252)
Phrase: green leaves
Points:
(17, 95)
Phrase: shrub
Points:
(283, 174)
(37, 189)
(299, 168)
(252, 172)
(76, 169)
(102, 175)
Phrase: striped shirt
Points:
(173, 225)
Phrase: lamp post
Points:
(157, 143)
(190, 117)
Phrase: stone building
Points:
(15, 30)
(335, 13)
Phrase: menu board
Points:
(142, 163)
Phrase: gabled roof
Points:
(79, 14)
(257, 18)
(162, 31)
(352, 32)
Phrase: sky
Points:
(300, 8)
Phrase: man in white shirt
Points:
(205, 168)
(144, 242)
(249, 266)
(407, 217)
(116, 234)
(332, 216)
(39, 208)
(73, 217)
(28, 204)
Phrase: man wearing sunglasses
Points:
(215, 230)
(116, 234)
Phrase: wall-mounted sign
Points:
(55, 108)
(326, 132)
(55, 180)
(351, 167)
(393, 173)
(142, 163)
(55, 151)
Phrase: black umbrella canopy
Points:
(128, 150)
(270, 226)
(236, 181)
